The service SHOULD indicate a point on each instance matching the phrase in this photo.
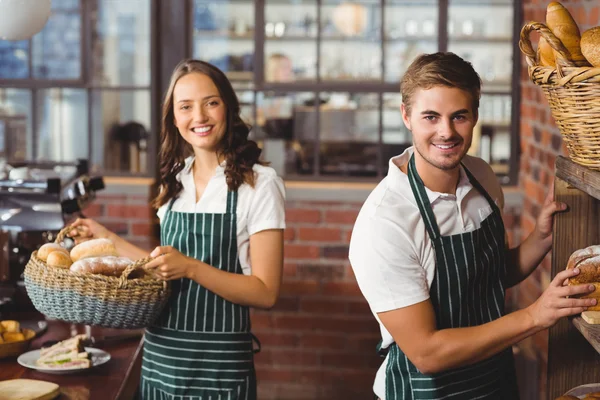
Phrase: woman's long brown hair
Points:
(240, 154)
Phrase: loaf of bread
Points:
(588, 262)
(108, 265)
(564, 27)
(59, 259)
(545, 54)
(48, 248)
(93, 248)
(590, 45)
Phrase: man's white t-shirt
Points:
(259, 208)
(391, 253)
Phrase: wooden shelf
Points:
(590, 332)
(573, 344)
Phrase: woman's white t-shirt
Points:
(259, 208)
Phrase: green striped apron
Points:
(467, 290)
(201, 347)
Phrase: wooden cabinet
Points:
(574, 345)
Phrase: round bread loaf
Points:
(93, 248)
(590, 46)
(48, 248)
(108, 265)
(59, 259)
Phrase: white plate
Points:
(28, 360)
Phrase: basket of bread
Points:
(14, 340)
(92, 285)
(566, 66)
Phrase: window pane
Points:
(224, 36)
(15, 118)
(290, 40)
(56, 51)
(351, 47)
(286, 124)
(120, 130)
(14, 59)
(121, 43)
(62, 124)
(411, 28)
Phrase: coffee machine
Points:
(37, 199)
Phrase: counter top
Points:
(116, 380)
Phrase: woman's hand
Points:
(553, 304)
(87, 229)
(169, 264)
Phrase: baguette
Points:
(109, 265)
(564, 27)
(93, 248)
(546, 54)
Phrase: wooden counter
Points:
(116, 380)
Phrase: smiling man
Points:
(429, 253)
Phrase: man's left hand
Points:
(543, 227)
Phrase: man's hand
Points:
(543, 226)
(553, 304)
(169, 264)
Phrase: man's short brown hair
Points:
(440, 69)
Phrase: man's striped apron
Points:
(467, 290)
(200, 348)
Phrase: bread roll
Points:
(546, 54)
(590, 45)
(93, 248)
(59, 259)
(49, 248)
(108, 265)
(564, 27)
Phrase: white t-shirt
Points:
(259, 208)
(390, 251)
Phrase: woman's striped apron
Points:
(200, 348)
(467, 290)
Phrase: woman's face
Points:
(200, 113)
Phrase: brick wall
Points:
(540, 145)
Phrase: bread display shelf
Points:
(573, 344)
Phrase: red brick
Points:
(286, 303)
(347, 217)
(291, 357)
(262, 320)
(301, 251)
(594, 17)
(120, 228)
(303, 216)
(306, 323)
(289, 269)
(359, 308)
(300, 287)
(94, 210)
(141, 229)
(347, 236)
(275, 374)
(275, 339)
(362, 343)
(341, 289)
(129, 211)
(350, 360)
(319, 234)
(316, 305)
(112, 198)
(289, 234)
(320, 272)
(322, 341)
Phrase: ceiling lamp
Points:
(21, 19)
(350, 18)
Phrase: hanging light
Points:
(21, 19)
(350, 18)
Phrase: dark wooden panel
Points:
(572, 361)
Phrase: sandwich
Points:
(67, 354)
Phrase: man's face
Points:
(441, 121)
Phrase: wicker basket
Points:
(93, 299)
(573, 94)
(11, 349)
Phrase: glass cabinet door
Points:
(290, 40)
(224, 36)
(411, 28)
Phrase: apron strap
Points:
(171, 203)
(418, 189)
(481, 190)
(231, 202)
(258, 345)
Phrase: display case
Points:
(321, 77)
(574, 345)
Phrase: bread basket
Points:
(92, 299)
(573, 94)
(12, 349)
